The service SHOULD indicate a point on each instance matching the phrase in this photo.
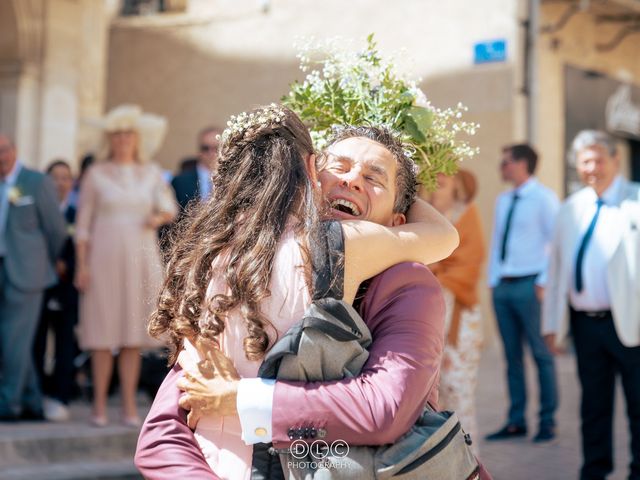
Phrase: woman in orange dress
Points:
(459, 275)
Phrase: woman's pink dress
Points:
(124, 262)
(219, 438)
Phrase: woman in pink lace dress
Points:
(123, 201)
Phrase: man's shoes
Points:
(507, 432)
(545, 434)
(55, 410)
(32, 416)
(9, 418)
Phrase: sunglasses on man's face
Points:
(208, 148)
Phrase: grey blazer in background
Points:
(35, 233)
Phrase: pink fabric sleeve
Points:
(167, 449)
(404, 310)
(86, 206)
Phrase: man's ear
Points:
(398, 219)
(616, 160)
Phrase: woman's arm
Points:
(371, 248)
(165, 205)
(84, 219)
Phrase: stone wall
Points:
(575, 44)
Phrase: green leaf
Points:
(411, 128)
(422, 116)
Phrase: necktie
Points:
(584, 244)
(507, 227)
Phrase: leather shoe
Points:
(545, 434)
(507, 432)
(32, 416)
(9, 418)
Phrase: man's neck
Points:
(521, 181)
(203, 166)
(6, 177)
(600, 189)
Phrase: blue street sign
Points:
(491, 51)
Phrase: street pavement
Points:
(36, 447)
(521, 458)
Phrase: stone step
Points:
(110, 470)
(73, 450)
(64, 443)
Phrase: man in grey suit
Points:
(592, 277)
(32, 233)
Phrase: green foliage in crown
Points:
(362, 88)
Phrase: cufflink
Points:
(322, 433)
(260, 432)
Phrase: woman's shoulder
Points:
(151, 168)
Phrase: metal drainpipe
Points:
(531, 69)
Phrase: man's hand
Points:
(82, 278)
(210, 386)
(539, 293)
(550, 340)
(61, 269)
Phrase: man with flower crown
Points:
(32, 234)
(403, 306)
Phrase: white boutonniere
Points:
(19, 199)
(14, 195)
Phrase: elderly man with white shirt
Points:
(523, 228)
(593, 276)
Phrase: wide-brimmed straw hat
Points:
(151, 129)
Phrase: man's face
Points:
(7, 156)
(208, 150)
(596, 167)
(358, 181)
(512, 170)
(62, 179)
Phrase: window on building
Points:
(150, 7)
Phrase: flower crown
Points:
(345, 86)
(269, 115)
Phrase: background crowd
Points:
(87, 271)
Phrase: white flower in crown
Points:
(14, 195)
(265, 116)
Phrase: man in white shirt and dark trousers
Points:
(592, 276)
(523, 227)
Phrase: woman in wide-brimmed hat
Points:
(123, 201)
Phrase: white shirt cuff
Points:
(255, 409)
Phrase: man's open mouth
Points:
(345, 206)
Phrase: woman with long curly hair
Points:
(240, 273)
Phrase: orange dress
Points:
(459, 275)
